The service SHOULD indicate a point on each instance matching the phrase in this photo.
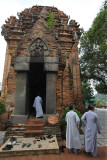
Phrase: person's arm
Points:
(77, 120)
(34, 103)
(66, 117)
(98, 124)
(41, 101)
(83, 119)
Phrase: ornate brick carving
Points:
(38, 48)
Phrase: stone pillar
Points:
(50, 93)
(21, 87)
(51, 68)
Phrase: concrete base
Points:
(18, 119)
(48, 146)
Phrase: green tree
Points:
(98, 102)
(93, 51)
(87, 91)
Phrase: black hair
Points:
(38, 93)
(90, 107)
(71, 107)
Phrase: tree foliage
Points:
(93, 52)
(87, 91)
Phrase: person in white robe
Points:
(92, 127)
(38, 106)
(73, 142)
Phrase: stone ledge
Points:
(50, 67)
(19, 119)
(21, 66)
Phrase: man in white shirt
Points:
(92, 126)
(73, 142)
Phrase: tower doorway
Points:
(37, 84)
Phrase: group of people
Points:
(89, 121)
(92, 126)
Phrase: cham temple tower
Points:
(41, 60)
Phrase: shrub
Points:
(64, 115)
(2, 108)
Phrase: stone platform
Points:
(33, 146)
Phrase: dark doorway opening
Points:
(37, 84)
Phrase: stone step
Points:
(33, 133)
(15, 133)
(35, 121)
(16, 129)
(18, 126)
(34, 127)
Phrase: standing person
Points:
(73, 142)
(38, 106)
(92, 126)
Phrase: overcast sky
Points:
(83, 11)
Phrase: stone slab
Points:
(21, 66)
(50, 67)
(100, 136)
(47, 147)
(19, 119)
(102, 142)
(51, 59)
(21, 59)
(2, 135)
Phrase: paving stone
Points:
(102, 142)
(2, 134)
(102, 115)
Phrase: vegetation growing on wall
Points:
(50, 23)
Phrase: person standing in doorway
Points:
(73, 142)
(91, 123)
(38, 106)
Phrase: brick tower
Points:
(39, 59)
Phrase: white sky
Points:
(83, 11)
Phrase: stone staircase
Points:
(15, 130)
(34, 127)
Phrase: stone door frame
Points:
(22, 66)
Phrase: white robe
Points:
(92, 126)
(72, 133)
(38, 106)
